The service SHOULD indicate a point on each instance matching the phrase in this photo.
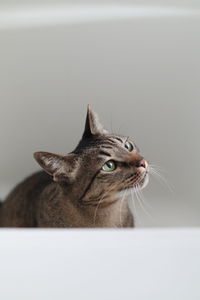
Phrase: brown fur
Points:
(74, 191)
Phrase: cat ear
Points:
(61, 167)
(92, 124)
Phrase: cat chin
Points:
(145, 181)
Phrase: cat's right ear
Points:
(60, 167)
(92, 124)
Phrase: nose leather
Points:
(141, 163)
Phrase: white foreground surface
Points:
(100, 264)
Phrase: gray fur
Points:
(73, 190)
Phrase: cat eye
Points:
(129, 146)
(109, 166)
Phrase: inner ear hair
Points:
(60, 167)
(50, 162)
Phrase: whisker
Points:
(111, 123)
(95, 213)
(122, 125)
(140, 202)
(157, 167)
(136, 216)
(142, 197)
(161, 178)
(120, 209)
(96, 209)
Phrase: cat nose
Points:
(141, 163)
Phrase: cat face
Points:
(101, 165)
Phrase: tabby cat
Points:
(85, 188)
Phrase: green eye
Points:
(129, 146)
(109, 166)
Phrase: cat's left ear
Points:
(92, 124)
(60, 167)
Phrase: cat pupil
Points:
(109, 164)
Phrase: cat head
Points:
(100, 166)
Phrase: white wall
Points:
(100, 264)
(140, 74)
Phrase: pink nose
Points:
(141, 163)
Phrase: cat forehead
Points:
(112, 139)
(97, 142)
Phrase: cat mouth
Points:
(143, 175)
(142, 180)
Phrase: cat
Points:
(85, 188)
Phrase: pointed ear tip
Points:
(90, 111)
(89, 108)
(36, 155)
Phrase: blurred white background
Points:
(137, 65)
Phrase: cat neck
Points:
(113, 212)
(61, 211)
